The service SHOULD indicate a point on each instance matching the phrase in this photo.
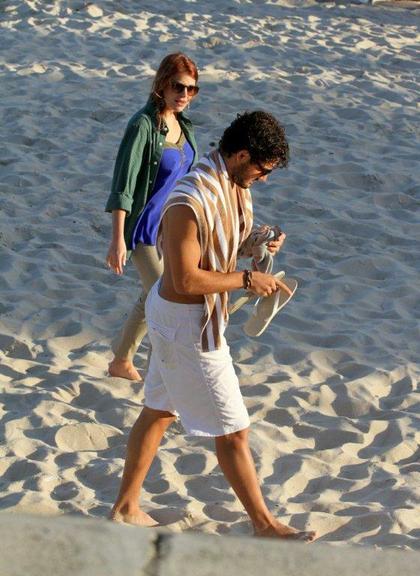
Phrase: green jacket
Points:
(137, 164)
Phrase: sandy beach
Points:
(332, 386)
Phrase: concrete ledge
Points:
(69, 546)
(199, 555)
(64, 546)
(397, 3)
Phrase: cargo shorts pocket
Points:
(162, 339)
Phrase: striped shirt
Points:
(223, 211)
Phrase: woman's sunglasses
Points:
(179, 88)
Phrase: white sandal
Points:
(242, 300)
(266, 308)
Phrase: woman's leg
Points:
(149, 268)
(143, 442)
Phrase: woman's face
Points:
(180, 91)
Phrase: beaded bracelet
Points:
(247, 279)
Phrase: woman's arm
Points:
(120, 201)
(117, 252)
(127, 167)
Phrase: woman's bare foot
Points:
(123, 369)
(137, 518)
(279, 530)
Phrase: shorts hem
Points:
(224, 432)
(149, 405)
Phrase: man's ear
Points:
(243, 156)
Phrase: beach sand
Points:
(332, 385)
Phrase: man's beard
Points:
(239, 177)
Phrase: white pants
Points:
(201, 387)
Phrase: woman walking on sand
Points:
(157, 149)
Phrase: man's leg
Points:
(237, 464)
(143, 442)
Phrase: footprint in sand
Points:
(85, 436)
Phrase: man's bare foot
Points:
(279, 530)
(123, 369)
(140, 518)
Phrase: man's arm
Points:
(182, 251)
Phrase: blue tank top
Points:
(175, 163)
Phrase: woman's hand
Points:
(266, 284)
(117, 255)
(274, 245)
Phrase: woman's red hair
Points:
(170, 66)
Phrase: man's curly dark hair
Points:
(259, 133)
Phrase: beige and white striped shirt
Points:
(223, 211)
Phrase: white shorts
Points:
(201, 387)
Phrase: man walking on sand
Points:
(205, 221)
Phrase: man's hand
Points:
(266, 284)
(117, 255)
(274, 245)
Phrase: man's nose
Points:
(263, 178)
